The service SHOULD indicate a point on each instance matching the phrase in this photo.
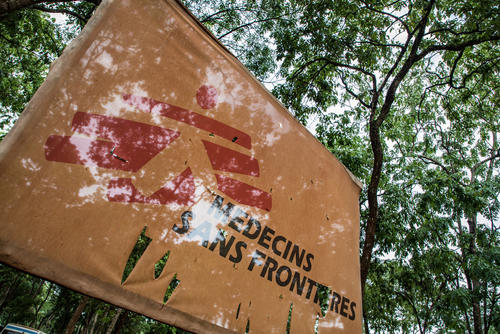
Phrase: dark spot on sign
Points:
(211, 135)
(238, 311)
(247, 329)
(112, 152)
(234, 139)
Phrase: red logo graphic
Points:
(127, 145)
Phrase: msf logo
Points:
(121, 144)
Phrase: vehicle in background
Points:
(19, 329)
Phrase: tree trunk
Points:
(88, 320)
(93, 323)
(376, 143)
(70, 327)
(122, 321)
(100, 324)
(475, 286)
(33, 282)
(7, 295)
(7, 6)
(47, 318)
(38, 308)
(365, 323)
(12, 5)
(114, 320)
(371, 225)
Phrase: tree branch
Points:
(374, 43)
(491, 157)
(397, 18)
(493, 303)
(360, 100)
(412, 59)
(477, 31)
(248, 24)
(404, 295)
(454, 67)
(396, 63)
(457, 46)
(209, 17)
(13, 5)
(435, 162)
(333, 63)
(61, 11)
(494, 61)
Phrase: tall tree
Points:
(79, 11)
(360, 52)
(355, 55)
(70, 327)
(30, 41)
(462, 163)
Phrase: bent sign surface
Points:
(151, 170)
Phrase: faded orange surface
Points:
(80, 182)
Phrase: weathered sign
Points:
(151, 170)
